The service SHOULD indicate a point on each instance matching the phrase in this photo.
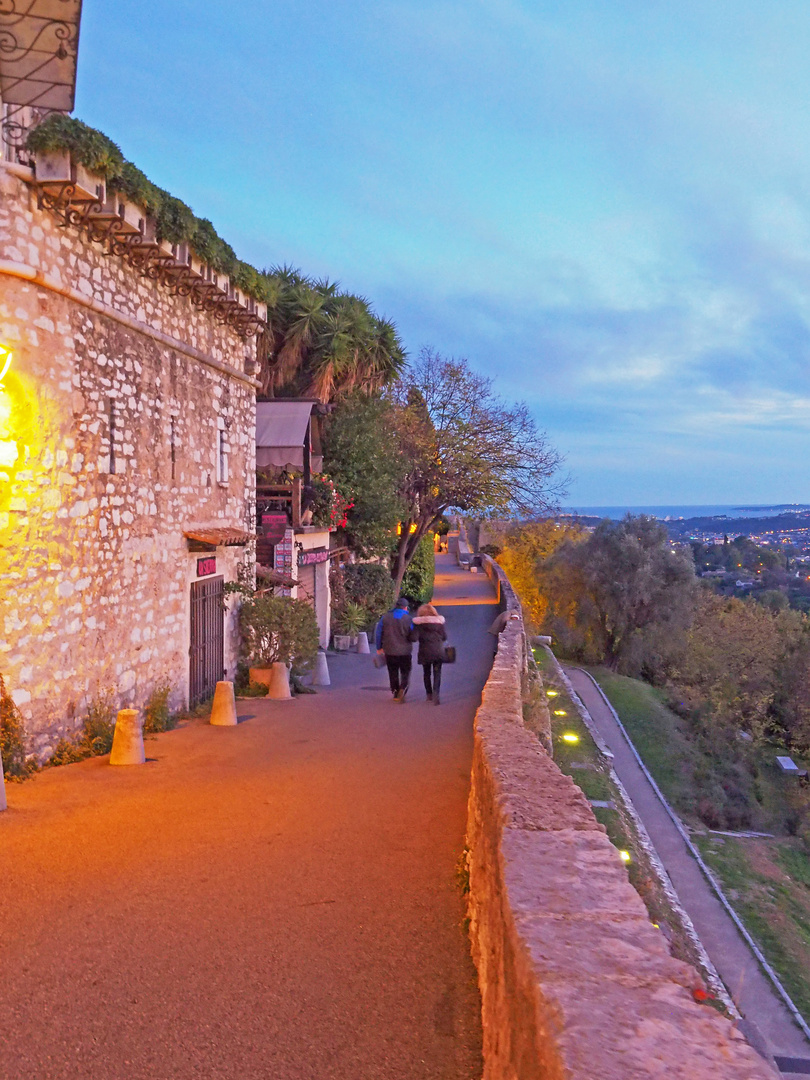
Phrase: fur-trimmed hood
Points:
(429, 620)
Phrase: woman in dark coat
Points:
(430, 633)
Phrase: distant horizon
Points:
(683, 510)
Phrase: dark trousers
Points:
(399, 672)
(436, 665)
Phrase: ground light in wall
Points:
(552, 693)
(570, 737)
(625, 856)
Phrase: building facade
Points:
(127, 458)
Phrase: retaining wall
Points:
(575, 980)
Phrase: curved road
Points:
(272, 900)
(749, 987)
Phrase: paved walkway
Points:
(276, 900)
(751, 990)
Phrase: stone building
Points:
(127, 453)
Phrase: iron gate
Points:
(207, 650)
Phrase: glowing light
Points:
(552, 693)
(570, 737)
(5, 361)
(560, 712)
(625, 855)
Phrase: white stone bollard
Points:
(223, 709)
(362, 643)
(127, 747)
(3, 803)
(320, 670)
(279, 684)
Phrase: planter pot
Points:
(275, 678)
(342, 642)
(53, 167)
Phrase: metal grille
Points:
(207, 650)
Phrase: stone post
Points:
(279, 684)
(127, 747)
(223, 710)
(362, 643)
(320, 670)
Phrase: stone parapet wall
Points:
(575, 980)
(94, 564)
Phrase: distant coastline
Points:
(685, 512)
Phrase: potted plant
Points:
(277, 632)
(349, 621)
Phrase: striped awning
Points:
(40, 45)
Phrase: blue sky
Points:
(605, 205)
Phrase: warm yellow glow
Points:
(570, 737)
(5, 361)
(625, 856)
(560, 712)
(552, 693)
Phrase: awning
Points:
(274, 577)
(219, 537)
(281, 432)
(38, 53)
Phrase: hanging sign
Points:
(207, 566)
(274, 527)
(311, 558)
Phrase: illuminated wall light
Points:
(570, 737)
(560, 712)
(625, 856)
(552, 693)
(5, 361)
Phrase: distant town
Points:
(767, 555)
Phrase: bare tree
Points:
(466, 450)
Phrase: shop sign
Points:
(207, 566)
(311, 558)
(274, 527)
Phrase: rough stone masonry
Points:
(116, 437)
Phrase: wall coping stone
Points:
(575, 980)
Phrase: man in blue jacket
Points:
(394, 638)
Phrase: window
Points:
(222, 453)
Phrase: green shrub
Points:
(156, 713)
(417, 584)
(371, 586)
(351, 619)
(276, 628)
(96, 736)
(12, 738)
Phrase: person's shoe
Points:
(402, 694)
(429, 697)
(399, 697)
(436, 699)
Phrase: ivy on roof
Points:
(176, 222)
(318, 341)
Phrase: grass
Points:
(659, 736)
(768, 884)
(767, 880)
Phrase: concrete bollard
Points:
(127, 747)
(279, 684)
(320, 670)
(362, 643)
(3, 803)
(223, 709)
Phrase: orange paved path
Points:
(276, 900)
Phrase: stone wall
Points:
(575, 981)
(94, 565)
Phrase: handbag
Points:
(379, 660)
(449, 654)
